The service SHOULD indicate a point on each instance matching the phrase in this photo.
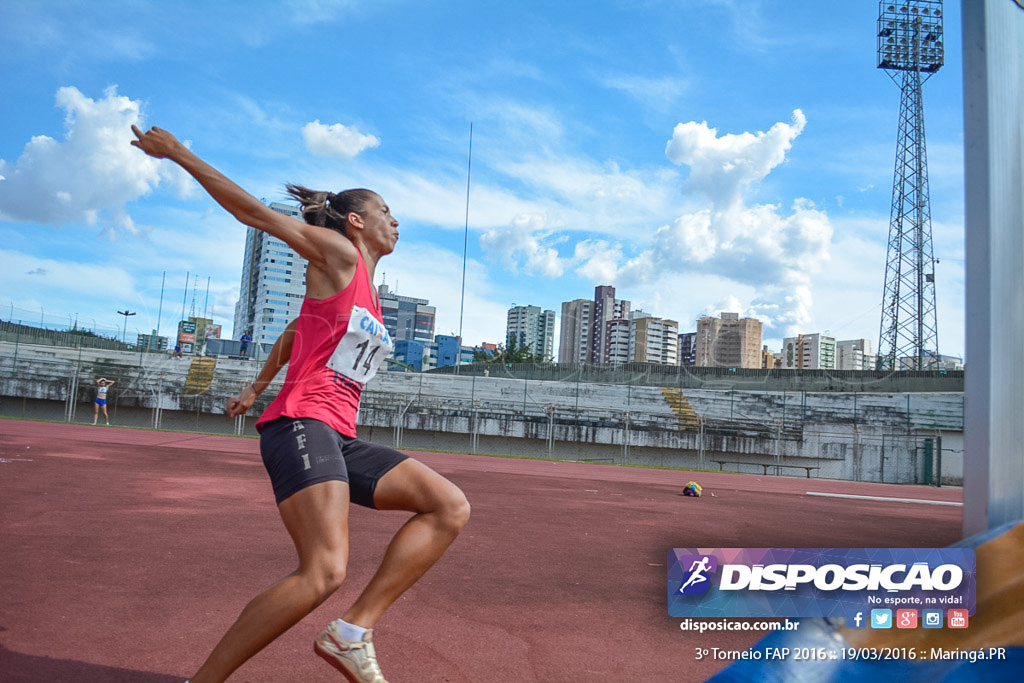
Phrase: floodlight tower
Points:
(910, 51)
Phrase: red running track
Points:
(125, 554)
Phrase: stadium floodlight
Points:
(910, 36)
(910, 51)
(125, 313)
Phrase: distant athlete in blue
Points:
(102, 384)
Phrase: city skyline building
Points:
(413, 353)
(687, 354)
(273, 284)
(728, 342)
(443, 351)
(854, 354)
(809, 352)
(530, 326)
(575, 332)
(653, 340)
(152, 341)
(615, 348)
(406, 317)
(606, 338)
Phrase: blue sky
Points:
(699, 155)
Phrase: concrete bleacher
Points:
(857, 435)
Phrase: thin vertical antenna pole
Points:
(206, 303)
(184, 298)
(465, 251)
(160, 310)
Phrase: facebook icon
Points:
(855, 620)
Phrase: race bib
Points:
(363, 348)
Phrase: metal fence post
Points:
(474, 437)
(700, 443)
(625, 440)
(551, 428)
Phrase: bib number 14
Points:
(368, 363)
(363, 348)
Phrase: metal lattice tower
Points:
(910, 51)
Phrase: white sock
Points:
(350, 631)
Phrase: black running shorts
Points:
(300, 452)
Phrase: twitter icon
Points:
(881, 618)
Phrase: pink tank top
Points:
(340, 342)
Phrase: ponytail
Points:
(327, 209)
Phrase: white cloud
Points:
(762, 259)
(582, 182)
(91, 174)
(576, 196)
(522, 241)
(656, 93)
(598, 260)
(336, 140)
(53, 280)
(530, 126)
(765, 254)
(722, 167)
(425, 271)
(441, 199)
(755, 246)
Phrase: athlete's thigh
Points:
(306, 467)
(367, 464)
(413, 486)
(316, 518)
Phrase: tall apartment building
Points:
(605, 338)
(653, 340)
(574, 337)
(530, 326)
(273, 284)
(809, 352)
(854, 354)
(615, 348)
(406, 317)
(688, 348)
(728, 342)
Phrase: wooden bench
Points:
(765, 466)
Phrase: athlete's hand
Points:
(156, 142)
(240, 404)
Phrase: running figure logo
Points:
(695, 581)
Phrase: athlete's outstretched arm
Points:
(278, 358)
(160, 144)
